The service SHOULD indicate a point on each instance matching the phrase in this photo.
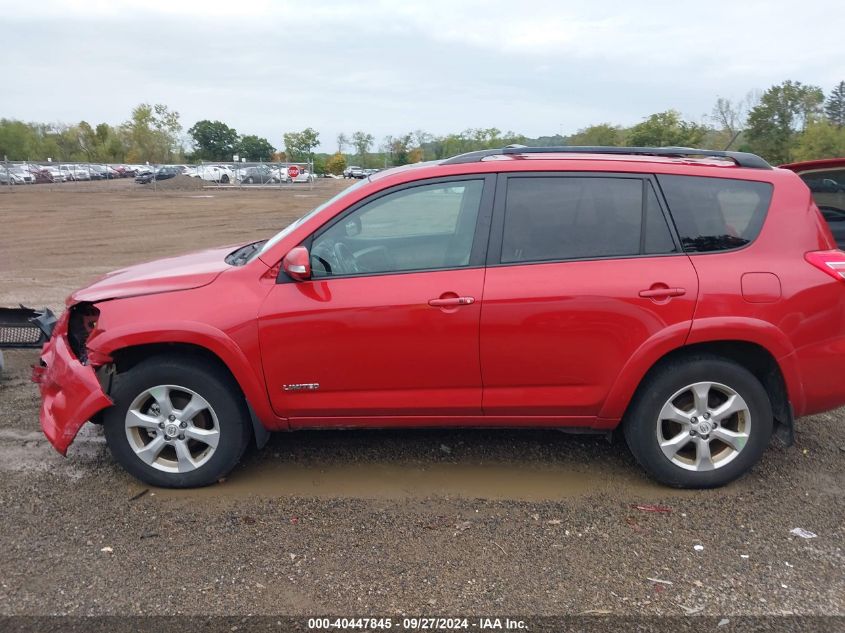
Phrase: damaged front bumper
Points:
(71, 394)
(25, 327)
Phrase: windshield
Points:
(290, 227)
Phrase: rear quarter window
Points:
(716, 214)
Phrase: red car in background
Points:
(826, 180)
(41, 174)
(692, 299)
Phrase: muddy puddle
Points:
(447, 480)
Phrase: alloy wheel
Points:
(703, 426)
(172, 428)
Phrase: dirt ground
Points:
(386, 523)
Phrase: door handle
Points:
(445, 302)
(662, 293)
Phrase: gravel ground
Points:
(376, 522)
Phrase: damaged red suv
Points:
(693, 299)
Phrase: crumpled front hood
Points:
(183, 272)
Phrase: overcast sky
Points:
(266, 67)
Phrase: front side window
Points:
(716, 214)
(426, 227)
(570, 217)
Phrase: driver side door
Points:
(388, 324)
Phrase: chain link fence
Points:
(82, 176)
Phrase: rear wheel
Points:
(176, 423)
(225, 179)
(699, 423)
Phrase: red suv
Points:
(695, 299)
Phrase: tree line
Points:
(790, 121)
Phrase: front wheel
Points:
(700, 422)
(176, 423)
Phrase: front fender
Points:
(105, 341)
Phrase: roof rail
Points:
(742, 159)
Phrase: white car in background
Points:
(17, 175)
(75, 172)
(55, 173)
(304, 176)
(222, 174)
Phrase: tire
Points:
(140, 422)
(249, 180)
(666, 411)
(224, 179)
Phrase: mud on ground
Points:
(375, 522)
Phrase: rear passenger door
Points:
(583, 270)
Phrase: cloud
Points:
(266, 67)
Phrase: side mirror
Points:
(297, 264)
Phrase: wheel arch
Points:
(753, 356)
(130, 347)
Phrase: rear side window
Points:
(716, 214)
(549, 218)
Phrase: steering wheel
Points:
(325, 254)
(345, 258)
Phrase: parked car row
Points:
(353, 171)
(32, 173)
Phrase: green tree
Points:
(336, 163)
(784, 110)
(602, 134)
(399, 148)
(319, 163)
(729, 118)
(17, 140)
(362, 142)
(46, 141)
(666, 129)
(108, 147)
(299, 146)
(255, 148)
(87, 140)
(821, 139)
(834, 107)
(473, 139)
(421, 140)
(151, 133)
(67, 143)
(213, 140)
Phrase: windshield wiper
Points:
(243, 254)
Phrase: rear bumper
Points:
(70, 392)
(820, 367)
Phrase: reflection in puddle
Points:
(396, 481)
